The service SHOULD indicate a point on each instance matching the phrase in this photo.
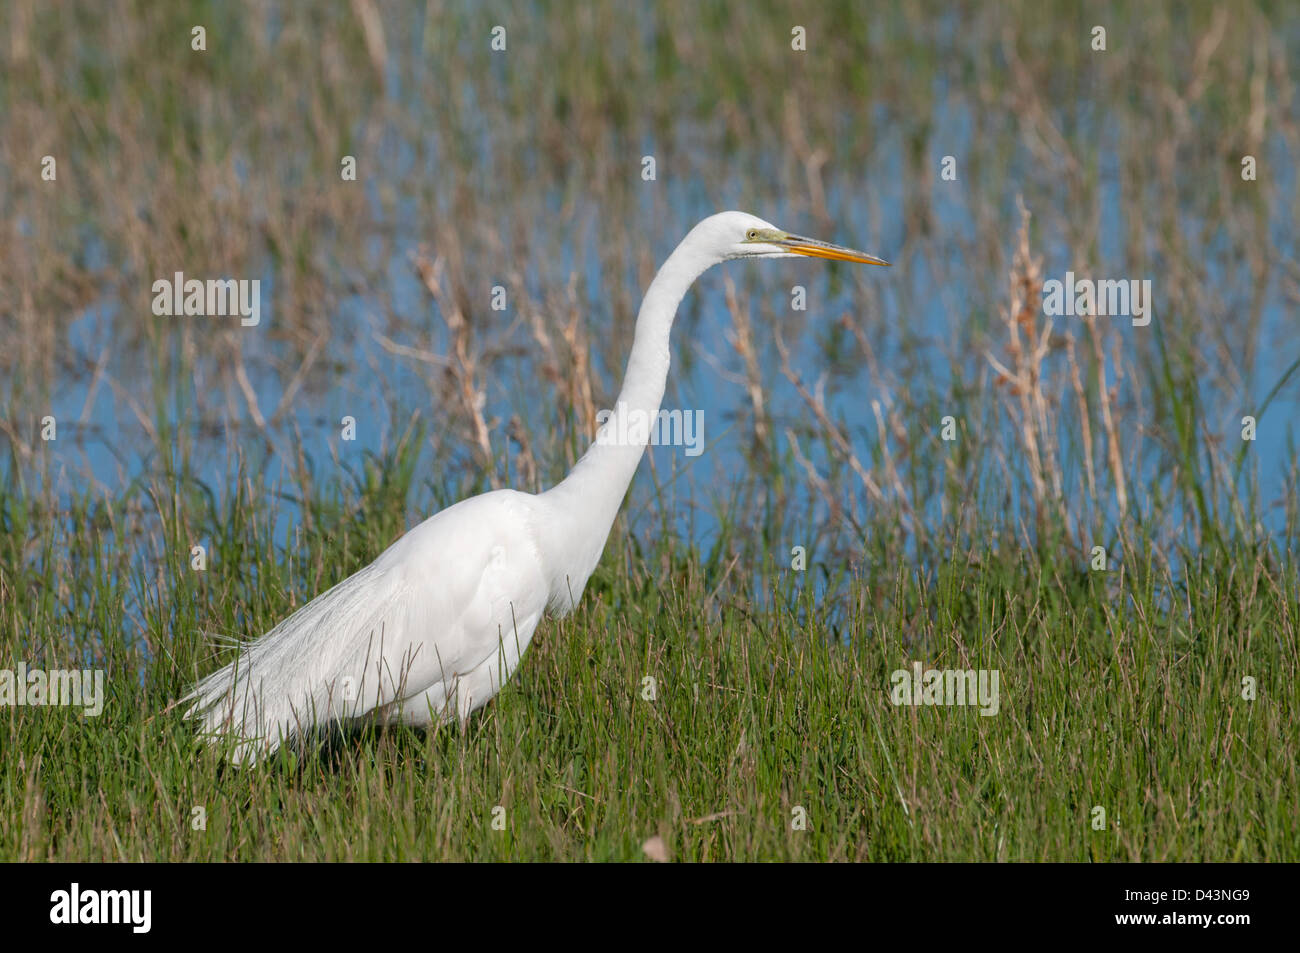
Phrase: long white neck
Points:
(588, 499)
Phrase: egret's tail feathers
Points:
(324, 663)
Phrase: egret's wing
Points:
(432, 607)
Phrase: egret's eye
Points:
(751, 234)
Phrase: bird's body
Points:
(433, 628)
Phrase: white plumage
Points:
(434, 627)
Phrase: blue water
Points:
(923, 325)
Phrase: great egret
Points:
(435, 626)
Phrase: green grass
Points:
(1120, 690)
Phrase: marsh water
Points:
(518, 177)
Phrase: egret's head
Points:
(740, 235)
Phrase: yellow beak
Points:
(819, 249)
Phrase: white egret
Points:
(434, 627)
